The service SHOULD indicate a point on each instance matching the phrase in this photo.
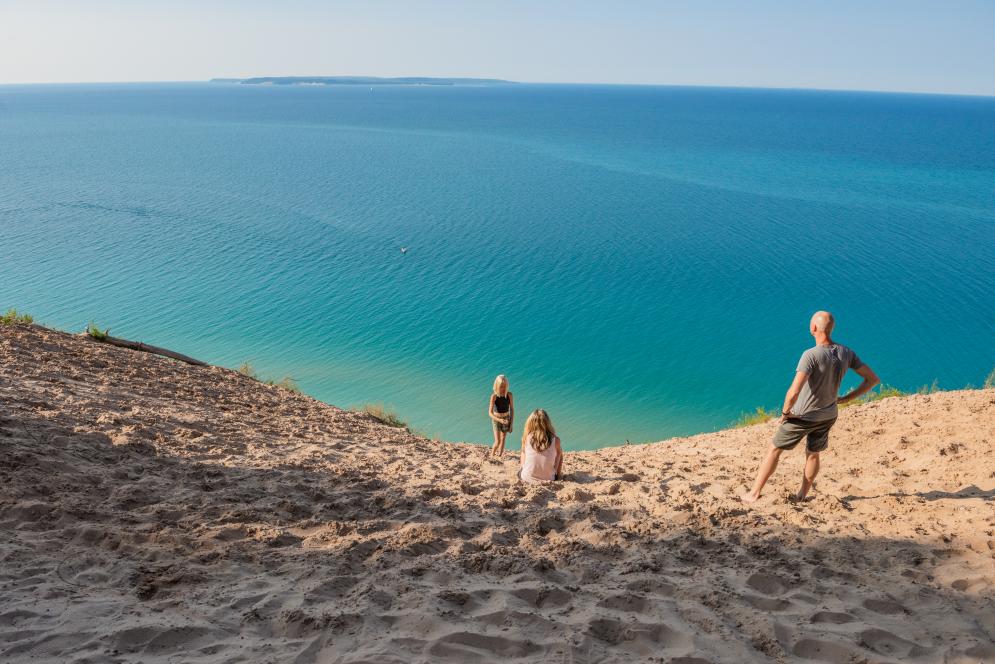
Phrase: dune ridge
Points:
(158, 512)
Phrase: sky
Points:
(894, 45)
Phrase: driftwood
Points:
(145, 348)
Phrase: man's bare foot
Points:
(748, 498)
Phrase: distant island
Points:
(360, 80)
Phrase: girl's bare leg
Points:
(500, 444)
(497, 441)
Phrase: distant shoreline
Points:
(499, 82)
(360, 80)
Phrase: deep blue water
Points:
(640, 261)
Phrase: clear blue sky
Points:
(912, 45)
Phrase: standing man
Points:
(810, 404)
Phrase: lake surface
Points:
(640, 261)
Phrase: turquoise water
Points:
(640, 261)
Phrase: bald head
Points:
(823, 322)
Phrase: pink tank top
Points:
(539, 466)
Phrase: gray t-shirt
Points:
(825, 366)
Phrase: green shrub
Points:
(885, 391)
(287, 383)
(929, 389)
(96, 332)
(384, 415)
(12, 316)
(882, 392)
(759, 416)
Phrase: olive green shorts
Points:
(791, 432)
(502, 428)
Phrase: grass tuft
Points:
(929, 389)
(990, 380)
(12, 316)
(881, 392)
(286, 383)
(384, 415)
(96, 332)
(759, 416)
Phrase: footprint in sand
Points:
(652, 586)
(12, 618)
(886, 643)
(92, 572)
(625, 602)
(543, 597)
(154, 637)
(768, 603)
(832, 617)
(580, 496)
(604, 515)
(615, 632)
(768, 584)
(825, 651)
(963, 585)
(330, 589)
(984, 652)
(468, 647)
(884, 606)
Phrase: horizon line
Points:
(511, 81)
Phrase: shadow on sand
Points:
(325, 560)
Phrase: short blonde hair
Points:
(501, 386)
(538, 431)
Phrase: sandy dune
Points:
(156, 512)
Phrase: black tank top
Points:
(501, 404)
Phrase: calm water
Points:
(640, 261)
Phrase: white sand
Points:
(156, 512)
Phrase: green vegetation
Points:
(384, 415)
(12, 316)
(759, 416)
(882, 392)
(286, 383)
(96, 332)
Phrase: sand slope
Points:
(156, 512)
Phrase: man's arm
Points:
(870, 380)
(792, 396)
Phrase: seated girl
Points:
(542, 456)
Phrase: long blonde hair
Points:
(501, 386)
(539, 431)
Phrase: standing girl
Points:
(501, 410)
